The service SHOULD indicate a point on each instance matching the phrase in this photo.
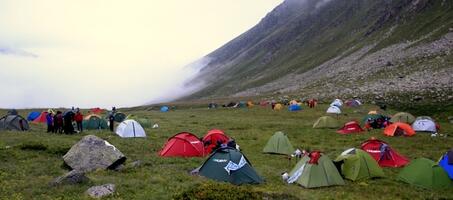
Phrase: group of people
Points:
(59, 122)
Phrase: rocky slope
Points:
(393, 50)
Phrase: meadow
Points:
(30, 160)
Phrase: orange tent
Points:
(398, 129)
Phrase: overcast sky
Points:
(104, 53)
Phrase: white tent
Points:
(424, 124)
(337, 103)
(334, 110)
(130, 128)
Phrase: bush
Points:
(33, 146)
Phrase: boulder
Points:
(101, 190)
(92, 153)
(71, 178)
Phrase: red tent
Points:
(41, 118)
(213, 138)
(183, 145)
(350, 127)
(96, 111)
(384, 154)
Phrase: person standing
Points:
(58, 122)
(49, 119)
(68, 117)
(79, 119)
(111, 121)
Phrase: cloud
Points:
(16, 52)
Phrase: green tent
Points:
(145, 122)
(279, 144)
(94, 122)
(229, 165)
(119, 117)
(357, 164)
(326, 122)
(322, 174)
(425, 173)
(403, 117)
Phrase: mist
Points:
(98, 53)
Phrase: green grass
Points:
(30, 160)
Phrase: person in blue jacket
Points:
(49, 119)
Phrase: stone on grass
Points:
(92, 153)
(101, 190)
(70, 178)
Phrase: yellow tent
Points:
(250, 104)
(373, 112)
(278, 106)
(293, 102)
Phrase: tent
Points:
(13, 123)
(403, 117)
(12, 112)
(278, 106)
(264, 103)
(164, 109)
(130, 128)
(229, 165)
(353, 103)
(33, 115)
(279, 144)
(250, 104)
(315, 170)
(242, 104)
(383, 153)
(183, 144)
(333, 110)
(350, 127)
(337, 103)
(398, 129)
(356, 164)
(212, 105)
(119, 117)
(424, 124)
(294, 107)
(373, 112)
(326, 122)
(94, 122)
(96, 111)
(425, 173)
(375, 121)
(41, 118)
(293, 102)
(446, 162)
(213, 139)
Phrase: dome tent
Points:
(356, 164)
(403, 117)
(383, 153)
(350, 127)
(164, 109)
(398, 129)
(294, 107)
(13, 123)
(315, 170)
(279, 144)
(333, 110)
(183, 144)
(229, 165)
(214, 138)
(33, 115)
(130, 128)
(425, 173)
(424, 124)
(94, 122)
(326, 122)
(446, 162)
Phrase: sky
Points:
(103, 53)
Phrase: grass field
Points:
(30, 160)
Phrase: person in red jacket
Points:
(79, 118)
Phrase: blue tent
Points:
(294, 107)
(33, 115)
(447, 164)
(164, 109)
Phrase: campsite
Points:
(32, 159)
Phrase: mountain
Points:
(386, 49)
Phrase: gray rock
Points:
(101, 190)
(71, 178)
(92, 153)
(136, 164)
